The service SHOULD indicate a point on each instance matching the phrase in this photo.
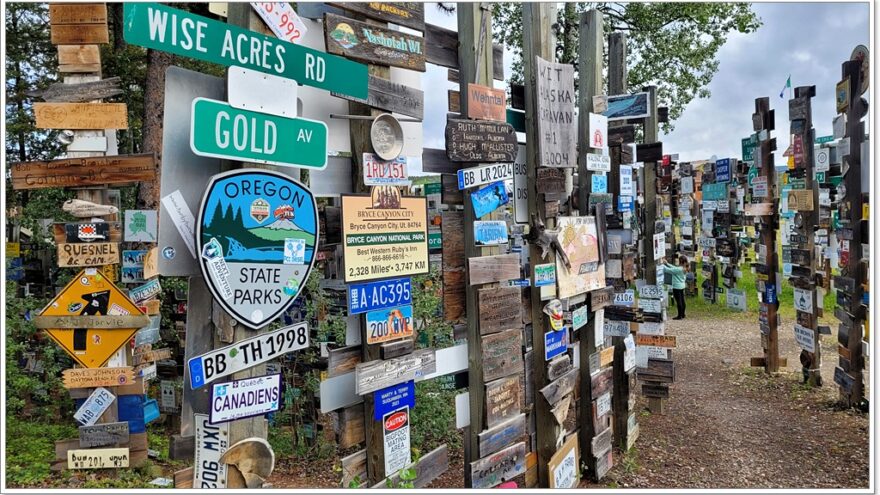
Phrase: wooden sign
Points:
(488, 269)
(77, 13)
(88, 171)
(606, 356)
(103, 434)
(601, 443)
(380, 374)
(557, 126)
(80, 92)
(97, 377)
(150, 356)
(97, 458)
(601, 298)
(480, 141)
(454, 98)
(841, 378)
(503, 400)
(95, 116)
(452, 228)
(79, 58)
(343, 360)
(485, 103)
(758, 209)
(658, 370)
(564, 467)
(500, 309)
(504, 465)
(602, 381)
(409, 14)
(354, 465)
(659, 390)
(79, 34)
(88, 254)
(87, 232)
(373, 44)
(560, 387)
(558, 366)
(502, 435)
(550, 180)
(391, 96)
(502, 354)
(800, 200)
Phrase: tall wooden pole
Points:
(538, 41)
(650, 171)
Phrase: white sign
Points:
(603, 404)
(822, 159)
(805, 337)
(395, 428)
(652, 327)
(803, 300)
(520, 186)
(843, 148)
(659, 245)
(599, 328)
(615, 244)
(282, 20)
(260, 92)
(708, 219)
(211, 442)
(598, 163)
(613, 268)
(613, 328)
(629, 356)
(651, 291)
(565, 474)
(183, 219)
(94, 406)
(626, 181)
(168, 396)
(736, 299)
(839, 126)
(378, 172)
(626, 298)
(759, 187)
(485, 174)
(598, 131)
(687, 185)
(247, 353)
(651, 305)
(245, 398)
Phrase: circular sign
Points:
(861, 53)
(823, 159)
(255, 264)
(386, 135)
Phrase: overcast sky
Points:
(807, 40)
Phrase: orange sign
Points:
(91, 294)
(485, 103)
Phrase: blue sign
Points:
(393, 398)
(722, 170)
(599, 183)
(379, 295)
(490, 232)
(624, 203)
(489, 198)
(555, 343)
(770, 293)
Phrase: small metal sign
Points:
(94, 406)
(260, 92)
(383, 294)
(393, 398)
(384, 325)
(245, 398)
(211, 443)
(379, 172)
(386, 136)
(486, 174)
(490, 232)
(555, 343)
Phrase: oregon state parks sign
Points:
(257, 233)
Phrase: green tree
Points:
(673, 46)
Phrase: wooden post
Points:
(590, 62)
(475, 67)
(538, 41)
(650, 188)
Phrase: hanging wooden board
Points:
(487, 269)
(408, 14)
(502, 354)
(380, 374)
(103, 434)
(373, 44)
(83, 254)
(504, 465)
(87, 171)
(560, 387)
(343, 360)
(79, 34)
(506, 433)
(97, 458)
(77, 13)
(98, 322)
(96, 116)
(480, 141)
(391, 96)
(503, 399)
(500, 309)
(80, 92)
(563, 469)
(97, 377)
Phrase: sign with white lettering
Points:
(245, 398)
(211, 443)
(379, 295)
(486, 174)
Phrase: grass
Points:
(30, 447)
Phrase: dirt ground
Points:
(727, 425)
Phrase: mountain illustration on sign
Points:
(344, 35)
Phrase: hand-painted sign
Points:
(211, 442)
(480, 141)
(393, 398)
(563, 468)
(384, 325)
(97, 377)
(396, 442)
(257, 233)
(384, 235)
(156, 26)
(489, 198)
(245, 398)
(246, 354)
(555, 343)
(378, 172)
(485, 174)
(557, 126)
(83, 254)
(490, 232)
(486, 103)
(384, 294)
(97, 458)
(598, 163)
(580, 242)
(95, 170)
(104, 434)
(373, 44)
(220, 131)
(94, 406)
(91, 294)
(621, 107)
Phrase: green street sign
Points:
(156, 26)
(820, 177)
(824, 139)
(435, 240)
(221, 131)
(753, 173)
(433, 188)
(749, 145)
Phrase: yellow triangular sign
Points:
(90, 293)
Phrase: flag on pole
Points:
(787, 85)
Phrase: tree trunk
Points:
(154, 101)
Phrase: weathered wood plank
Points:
(77, 13)
(488, 269)
(354, 466)
(602, 442)
(379, 374)
(78, 34)
(658, 370)
(500, 309)
(555, 390)
(660, 390)
(367, 42)
(429, 468)
(503, 400)
(391, 96)
(502, 354)
(558, 366)
(452, 231)
(480, 141)
(97, 377)
(499, 467)
(76, 172)
(95, 116)
(396, 349)
(442, 50)
(602, 381)
(502, 435)
(351, 426)
(103, 434)
(79, 55)
(87, 254)
(409, 14)
(79, 92)
(436, 161)
(343, 360)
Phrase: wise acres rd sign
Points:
(257, 232)
(384, 234)
(92, 295)
(221, 131)
(156, 26)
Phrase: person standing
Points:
(677, 272)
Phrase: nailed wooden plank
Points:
(77, 13)
(601, 298)
(351, 426)
(480, 141)
(502, 435)
(79, 55)
(88, 254)
(649, 152)
(658, 370)
(436, 161)
(429, 468)
(485, 103)
(621, 134)
(442, 49)
(450, 193)
(453, 98)
(63, 446)
(557, 126)
(183, 478)
(103, 434)
(502, 354)
(97, 377)
(499, 467)
(409, 14)
(96, 116)
(79, 68)
(558, 366)
(395, 349)
(79, 92)
(602, 442)
(660, 390)
(452, 229)
(98, 458)
(503, 399)
(157, 355)
(92, 321)
(563, 468)
(354, 466)
(555, 390)
(845, 381)
(78, 34)
(550, 180)
(655, 340)
(602, 381)
(391, 96)
(75, 172)
(500, 309)
(343, 360)
(379, 374)
(373, 44)
(560, 409)
(488, 269)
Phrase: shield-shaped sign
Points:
(256, 265)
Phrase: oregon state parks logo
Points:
(257, 234)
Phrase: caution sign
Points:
(90, 294)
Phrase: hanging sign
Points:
(389, 324)
(486, 174)
(378, 172)
(384, 235)
(622, 107)
(379, 295)
(489, 198)
(557, 126)
(245, 398)
(176, 31)
(257, 233)
(211, 443)
(246, 354)
(598, 162)
(598, 131)
(93, 295)
(480, 141)
(393, 398)
(490, 232)
(94, 406)
(396, 441)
